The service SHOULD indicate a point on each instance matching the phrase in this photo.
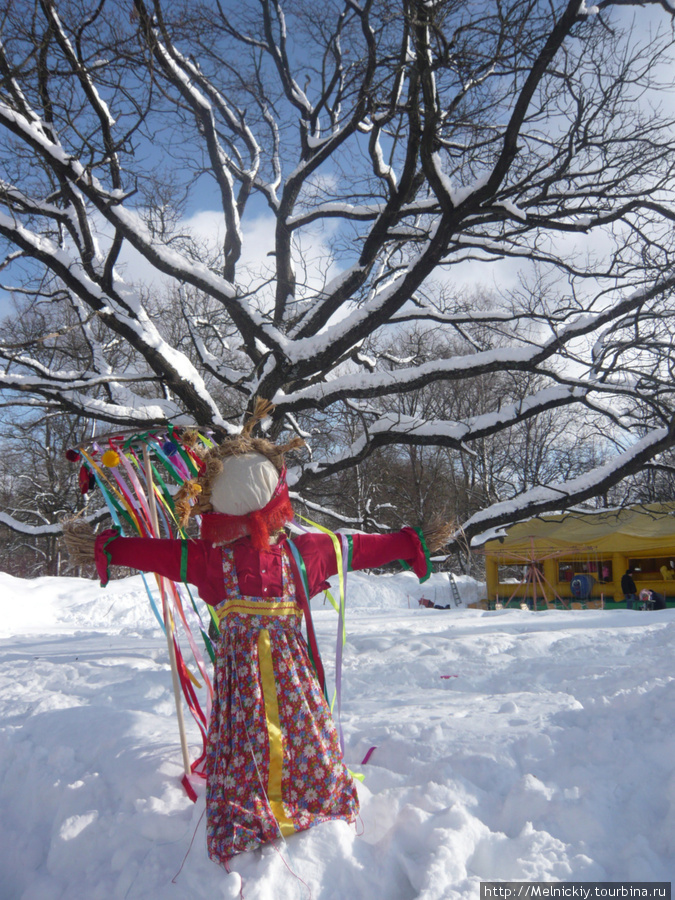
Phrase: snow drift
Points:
(510, 745)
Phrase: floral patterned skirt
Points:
(274, 764)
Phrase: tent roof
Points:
(635, 529)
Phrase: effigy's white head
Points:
(245, 484)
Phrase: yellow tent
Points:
(543, 559)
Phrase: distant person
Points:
(652, 599)
(629, 588)
(659, 601)
(423, 601)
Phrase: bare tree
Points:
(387, 143)
(418, 482)
(36, 491)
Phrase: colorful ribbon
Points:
(125, 488)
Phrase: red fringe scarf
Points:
(219, 528)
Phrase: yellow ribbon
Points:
(258, 608)
(340, 610)
(274, 733)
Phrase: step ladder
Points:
(454, 590)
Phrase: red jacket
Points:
(199, 562)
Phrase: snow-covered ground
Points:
(511, 745)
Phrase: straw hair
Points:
(263, 409)
(437, 534)
(80, 539)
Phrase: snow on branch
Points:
(549, 498)
(397, 428)
(44, 530)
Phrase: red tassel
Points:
(86, 480)
(260, 536)
(220, 528)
